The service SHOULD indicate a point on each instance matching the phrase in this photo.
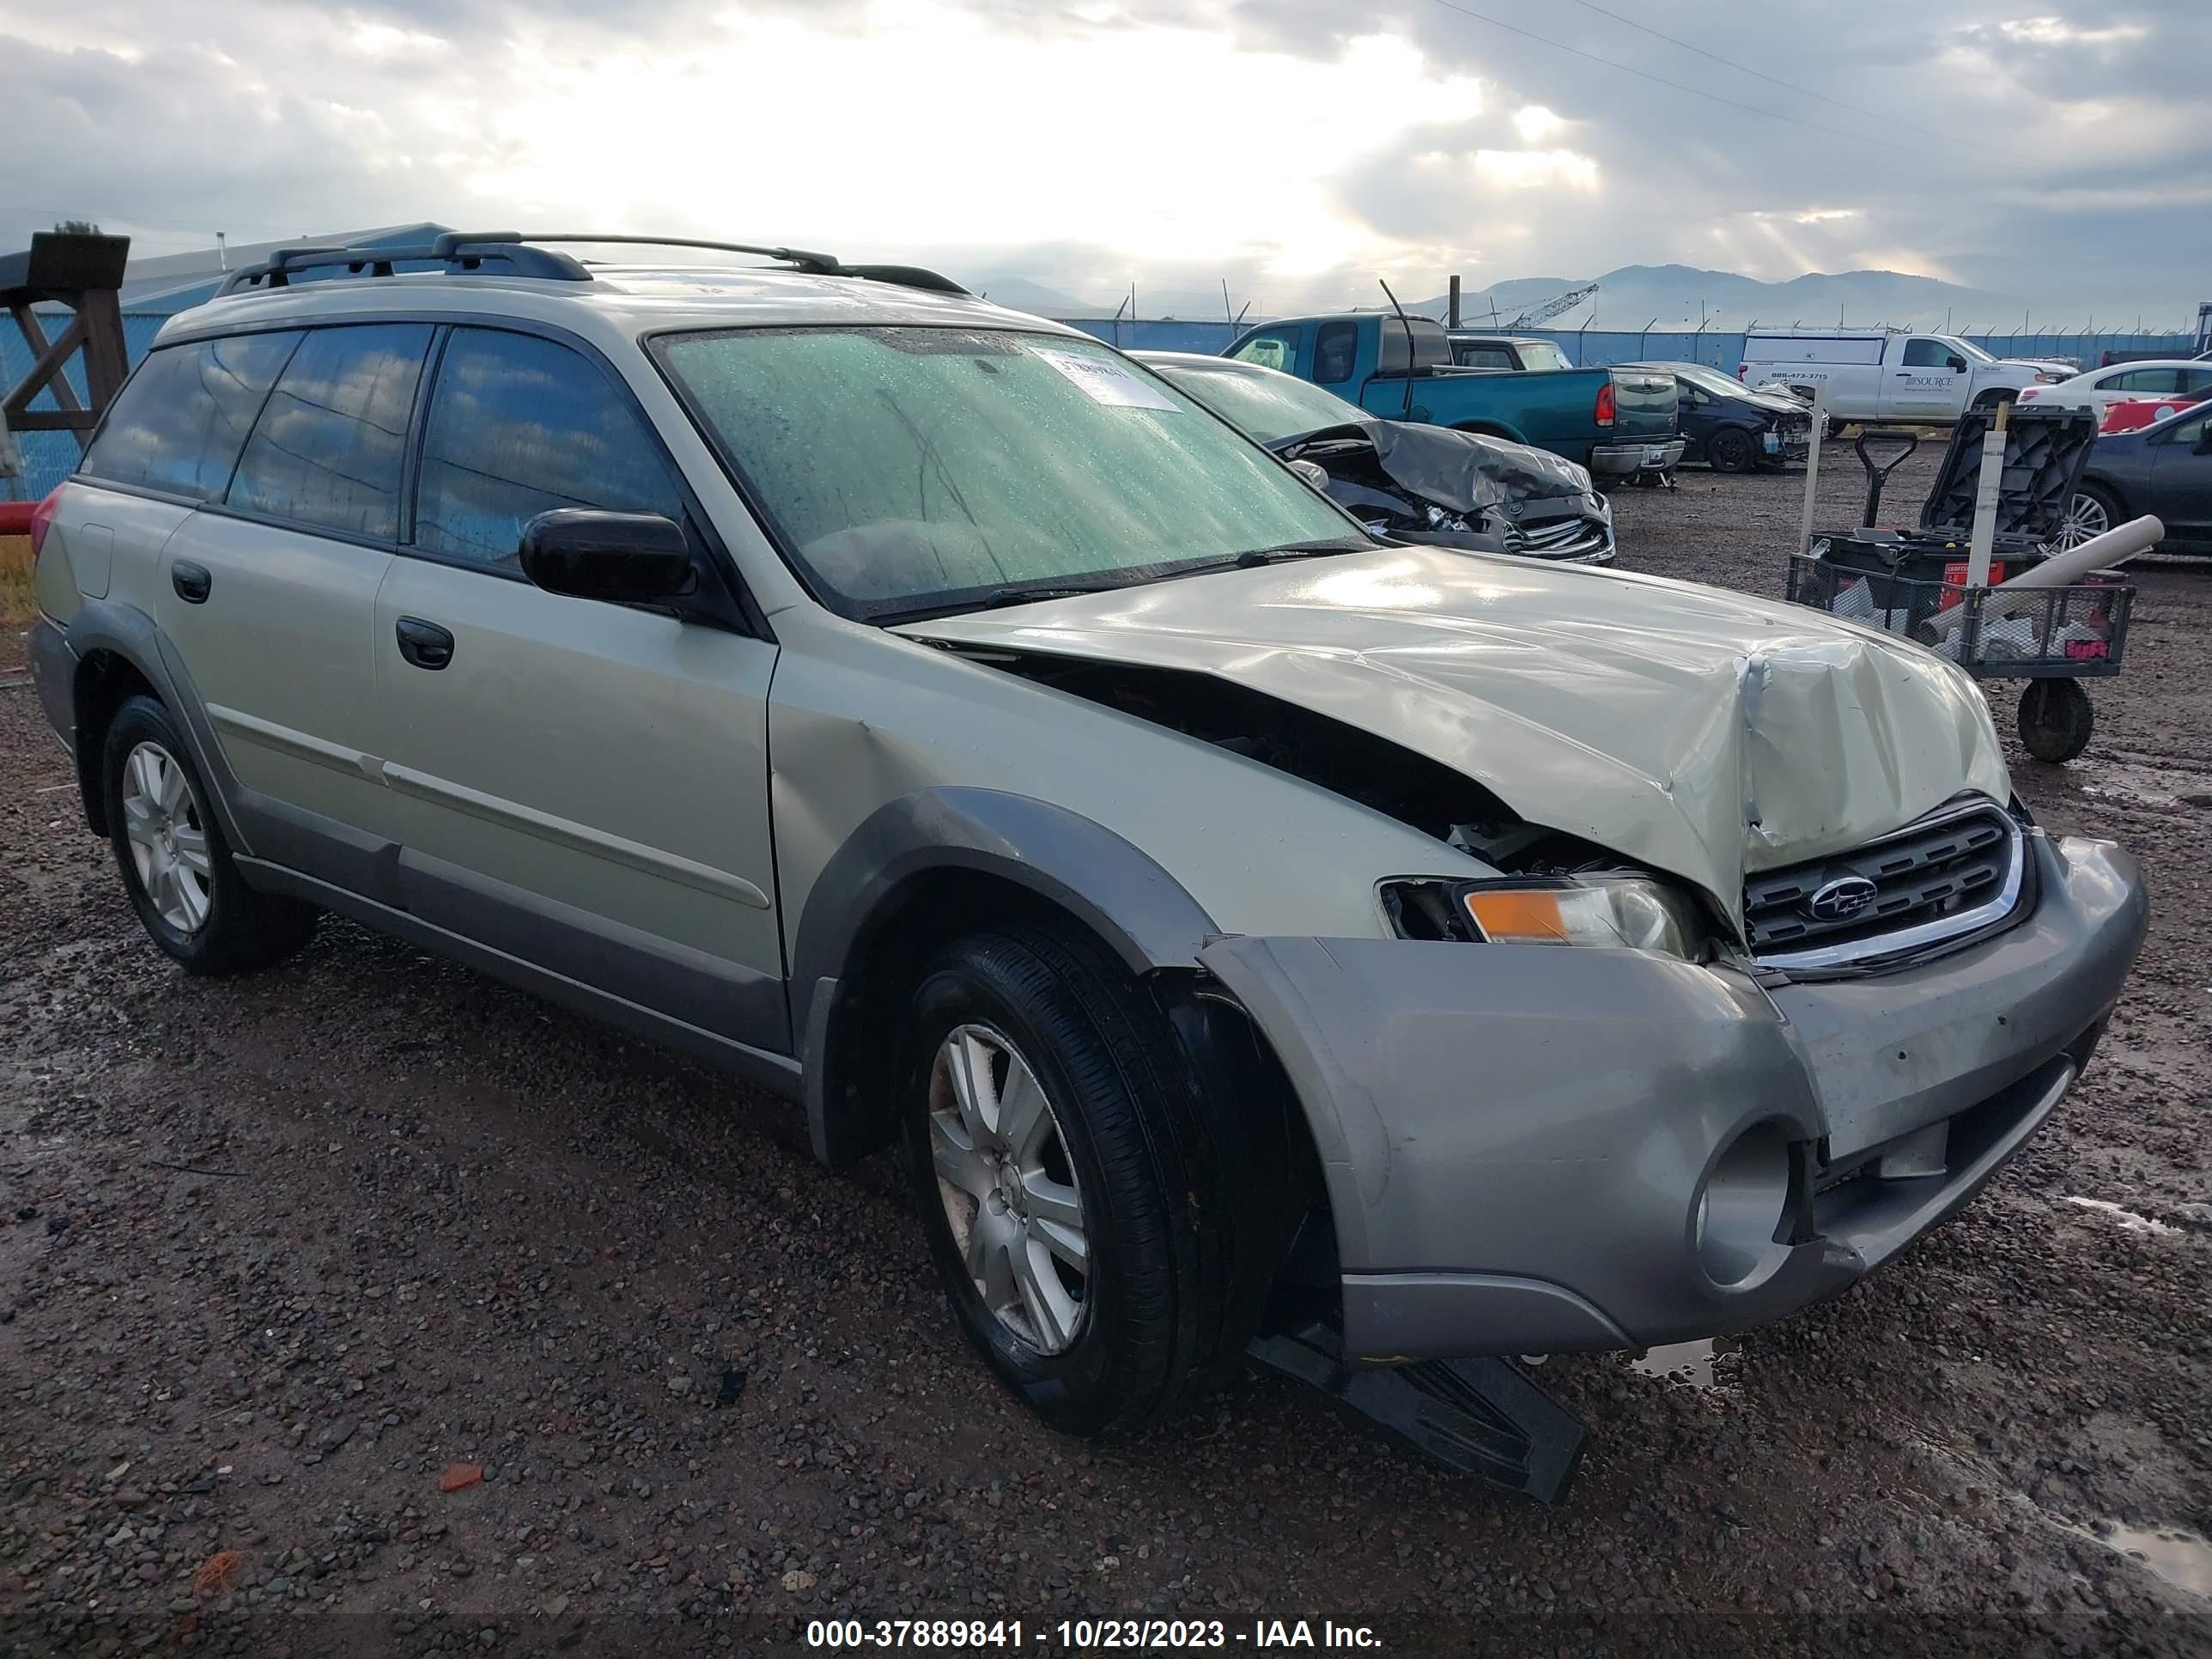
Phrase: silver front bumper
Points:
(1517, 1139)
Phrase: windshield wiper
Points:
(1018, 593)
(1253, 558)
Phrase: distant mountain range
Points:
(1668, 296)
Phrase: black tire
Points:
(1731, 450)
(239, 929)
(2056, 720)
(1991, 399)
(1175, 1239)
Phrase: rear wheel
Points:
(2056, 720)
(176, 866)
(1731, 450)
(1080, 1216)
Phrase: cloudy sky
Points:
(2056, 150)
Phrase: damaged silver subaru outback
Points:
(947, 723)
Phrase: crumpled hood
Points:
(1704, 733)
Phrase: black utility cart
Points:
(1914, 582)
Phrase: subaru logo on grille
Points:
(1841, 899)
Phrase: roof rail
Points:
(516, 253)
(472, 252)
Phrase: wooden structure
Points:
(83, 274)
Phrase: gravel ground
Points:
(277, 1254)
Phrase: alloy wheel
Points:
(1008, 1187)
(2085, 517)
(167, 837)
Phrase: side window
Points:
(1335, 347)
(179, 424)
(1278, 351)
(2196, 382)
(326, 452)
(1485, 356)
(520, 425)
(2152, 381)
(1927, 354)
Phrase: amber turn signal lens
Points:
(1519, 915)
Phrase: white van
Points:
(1926, 378)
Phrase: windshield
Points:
(911, 469)
(1268, 406)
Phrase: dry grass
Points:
(14, 579)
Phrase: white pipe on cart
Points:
(1813, 467)
(1984, 533)
(2116, 546)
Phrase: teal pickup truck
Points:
(1618, 422)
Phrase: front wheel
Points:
(1080, 1216)
(2056, 720)
(2092, 512)
(1732, 451)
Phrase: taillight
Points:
(1605, 404)
(41, 517)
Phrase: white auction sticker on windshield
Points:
(1104, 379)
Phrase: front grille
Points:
(1570, 537)
(1951, 874)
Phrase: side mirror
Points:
(1957, 365)
(2204, 439)
(625, 558)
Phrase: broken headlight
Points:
(1631, 913)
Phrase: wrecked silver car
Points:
(1407, 480)
(946, 723)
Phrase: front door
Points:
(2181, 478)
(1923, 385)
(580, 785)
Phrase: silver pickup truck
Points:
(943, 721)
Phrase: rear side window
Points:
(1335, 347)
(327, 452)
(180, 423)
(1485, 356)
(520, 425)
(2148, 379)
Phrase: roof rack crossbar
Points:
(519, 254)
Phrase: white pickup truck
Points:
(1924, 379)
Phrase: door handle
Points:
(191, 581)
(424, 643)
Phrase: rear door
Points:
(269, 590)
(579, 785)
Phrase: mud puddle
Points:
(2144, 785)
(2126, 1220)
(2182, 1558)
(1696, 1365)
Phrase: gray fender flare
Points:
(126, 631)
(1117, 890)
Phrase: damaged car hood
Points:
(1703, 733)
